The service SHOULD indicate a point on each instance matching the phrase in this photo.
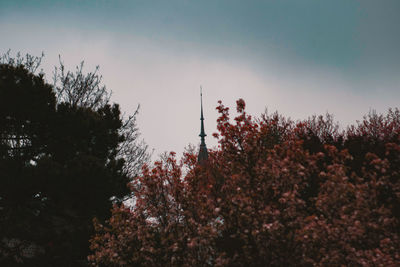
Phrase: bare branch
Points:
(79, 88)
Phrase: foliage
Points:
(274, 193)
(60, 165)
(86, 90)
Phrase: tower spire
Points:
(203, 154)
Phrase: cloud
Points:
(267, 56)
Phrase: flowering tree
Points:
(274, 193)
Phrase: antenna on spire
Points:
(201, 102)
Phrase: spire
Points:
(203, 154)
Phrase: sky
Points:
(299, 58)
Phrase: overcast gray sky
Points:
(298, 57)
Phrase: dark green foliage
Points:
(27, 105)
(59, 168)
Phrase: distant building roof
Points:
(203, 154)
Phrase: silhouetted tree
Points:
(86, 90)
(60, 164)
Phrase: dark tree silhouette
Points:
(60, 164)
(86, 90)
